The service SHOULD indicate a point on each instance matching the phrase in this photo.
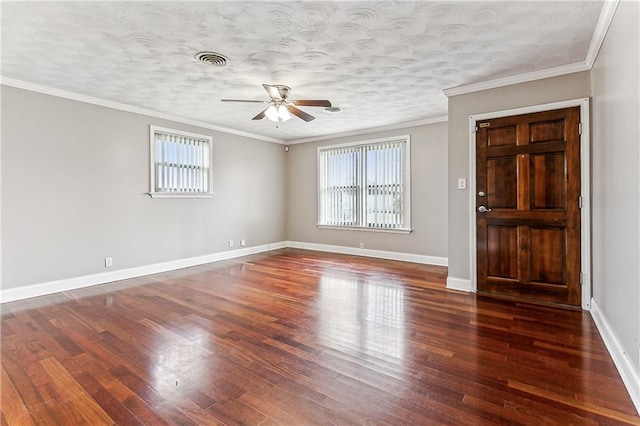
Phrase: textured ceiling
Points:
(382, 62)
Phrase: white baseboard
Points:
(19, 293)
(460, 284)
(379, 254)
(621, 358)
(42, 289)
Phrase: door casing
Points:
(585, 189)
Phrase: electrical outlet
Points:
(108, 262)
(243, 243)
(230, 243)
(361, 245)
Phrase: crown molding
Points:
(604, 21)
(602, 26)
(20, 84)
(516, 79)
(606, 16)
(433, 120)
(26, 85)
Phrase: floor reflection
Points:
(362, 314)
(179, 364)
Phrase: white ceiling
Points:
(384, 63)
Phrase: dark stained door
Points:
(527, 206)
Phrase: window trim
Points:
(152, 164)
(407, 186)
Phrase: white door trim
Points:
(585, 187)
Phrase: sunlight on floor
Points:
(362, 315)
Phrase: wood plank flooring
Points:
(296, 337)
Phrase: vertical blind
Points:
(181, 163)
(363, 185)
(340, 187)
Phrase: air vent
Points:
(211, 58)
(332, 110)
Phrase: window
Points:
(180, 163)
(365, 185)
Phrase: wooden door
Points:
(528, 180)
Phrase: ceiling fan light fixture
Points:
(281, 108)
(283, 113)
(272, 113)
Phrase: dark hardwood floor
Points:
(296, 337)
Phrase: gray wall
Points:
(616, 178)
(73, 182)
(428, 195)
(572, 86)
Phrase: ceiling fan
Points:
(281, 107)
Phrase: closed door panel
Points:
(502, 252)
(548, 189)
(528, 217)
(502, 186)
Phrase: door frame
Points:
(585, 187)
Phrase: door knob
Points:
(483, 209)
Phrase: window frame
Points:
(153, 130)
(406, 229)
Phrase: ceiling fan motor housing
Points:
(283, 90)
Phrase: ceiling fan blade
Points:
(273, 91)
(299, 113)
(241, 100)
(260, 115)
(313, 103)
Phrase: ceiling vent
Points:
(211, 58)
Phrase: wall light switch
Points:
(462, 183)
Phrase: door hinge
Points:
(581, 278)
(579, 128)
(579, 201)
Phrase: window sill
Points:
(178, 195)
(362, 228)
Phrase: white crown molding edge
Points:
(33, 87)
(378, 254)
(599, 33)
(606, 16)
(459, 284)
(602, 26)
(405, 125)
(516, 79)
(42, 289)
(630, 376)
